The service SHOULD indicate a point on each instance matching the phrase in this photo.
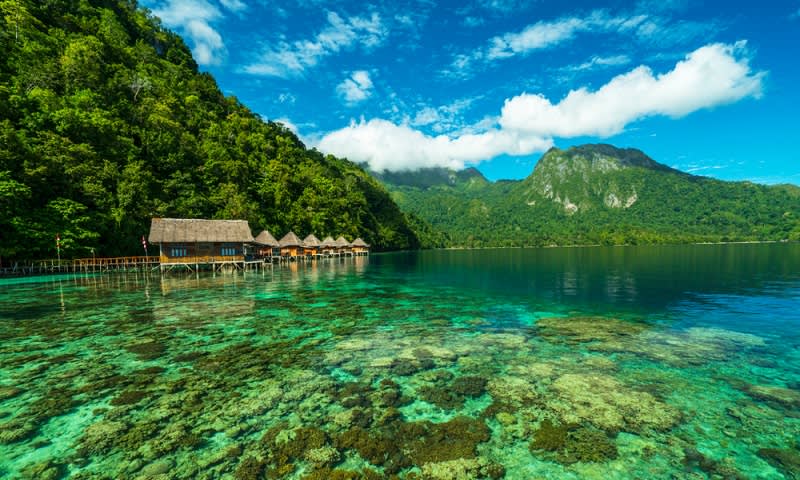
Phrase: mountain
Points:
(105, 121)
(600, 194)
(431, 177)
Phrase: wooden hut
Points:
(311, 245)
(343, 246)
(291, 245)
(195, 241)
(328, 246)
(266, 245)
(360, 247)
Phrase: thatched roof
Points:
(311, 241)
(190, 230)
(290, 240)
(359, 243)
(265, 238)
(328, 242)
(341, 242)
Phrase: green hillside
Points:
(599, 194)
(105, 121)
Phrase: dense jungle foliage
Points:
(596, 194)
(105, 122)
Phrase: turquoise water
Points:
(598, 363)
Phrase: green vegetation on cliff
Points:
(597, 194)
(105, 121)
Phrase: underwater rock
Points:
(785, 396)
(250, 468)
(785, 460)
(16, 430)
(469, 386)
(290, 445)
(508, 341)
(438, 442)
(572, 443)
(462, 469)
(606, 403)
(574, 330)
(46, 470)
(100, 436)
(512, 390)
(7, 391)
(505, 418)
(136, 436)
(328, 474)
(160, 467)
(453, 395)
(129, 397)
(147, 350)
(324, 456)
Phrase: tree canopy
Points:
(106, 121)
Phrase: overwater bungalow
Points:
(266, 245)
(311, 245)
(360, 247)
(185, 241)
(343, 246)
(328, 246)
(291, 246)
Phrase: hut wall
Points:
(201, 252)
(290, 251)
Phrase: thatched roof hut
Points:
(265, 238)
(329, 242)
(192, 230)
(311, 241)
(358, 242)
(341, 242)
(290, 240)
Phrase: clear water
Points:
(599, 363)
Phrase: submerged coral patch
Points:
(608, 404)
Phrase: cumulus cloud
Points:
(387, 146)
(356, 88)
(292, 59)
(713, 75)
(193, 18)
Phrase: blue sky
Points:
(707, 87)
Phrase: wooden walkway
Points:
(154, 263)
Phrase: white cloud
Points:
(292, 59)
(356, 88)
(387, 146)
(234, 5)
(288, 124)
(596, 61)
(194, 18)
(710, 76)
(542, 35)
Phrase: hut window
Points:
(178, 251)
(228, 250)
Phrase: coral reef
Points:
(606, 403)
(785, 460)
(573, 443)
(462, 469)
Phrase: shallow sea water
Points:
(597, 363)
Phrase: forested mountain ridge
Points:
(105, 122)
(600, 194)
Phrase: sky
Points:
(708, 87)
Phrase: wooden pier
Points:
(82, 265)
(164, 265)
